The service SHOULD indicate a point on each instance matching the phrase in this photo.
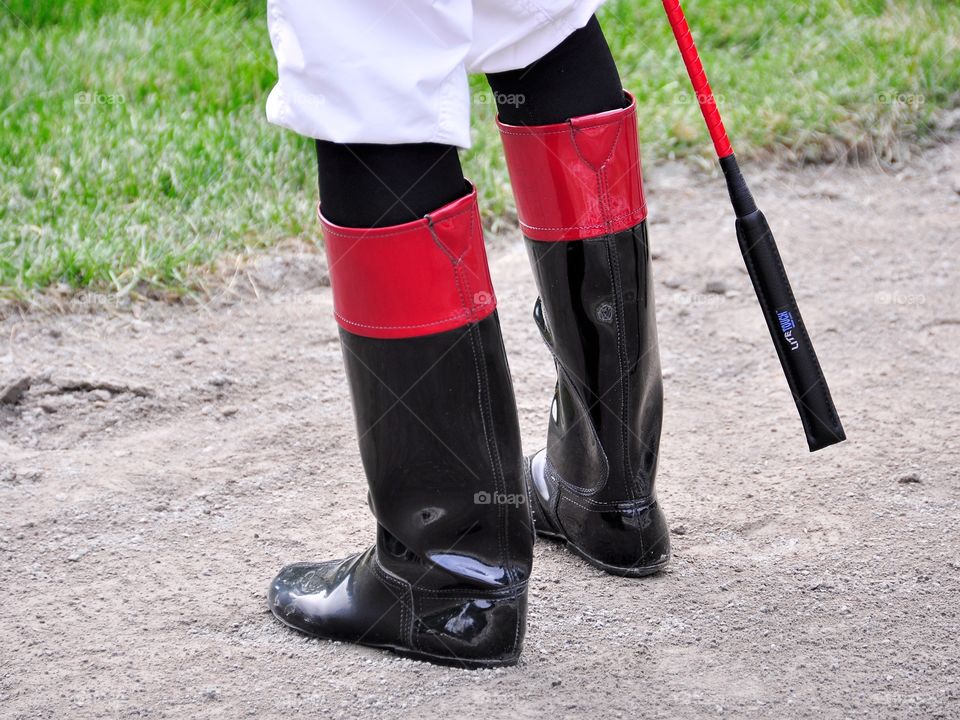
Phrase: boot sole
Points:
(413, 654)
(450, 662)
(630, 572)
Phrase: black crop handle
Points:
(798, 359)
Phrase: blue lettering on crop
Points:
(787, 325)
(786, 320)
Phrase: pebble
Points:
(12, 393)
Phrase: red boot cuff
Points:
(578, 179)
(418, 278)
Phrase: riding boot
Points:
(580, 201)
(446, 579)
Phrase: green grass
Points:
(134, 149)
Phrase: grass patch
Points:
(134, 148)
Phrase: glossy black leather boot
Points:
(446, 580)
(581, 207)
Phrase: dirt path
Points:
(162, 466)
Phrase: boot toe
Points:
(300, 594)
(350, 600)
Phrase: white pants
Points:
(395, 71)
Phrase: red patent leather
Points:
(418, 278)
(578, 179)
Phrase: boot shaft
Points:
(440, 445)
(596, 313)
(582, 209)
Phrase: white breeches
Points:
(395, 71)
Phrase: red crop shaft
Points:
(701, 86)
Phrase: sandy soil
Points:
(165, 461)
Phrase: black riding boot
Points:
(580, 200)
(446, 580)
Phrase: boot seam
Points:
(599, 168)
(565, 489)
(493, 452)
(576, 489)
(462, 284)
(597, 226)
(469, 312)
(623, 361)
(486, 415)
(621, 505)
(405, 599)
(502, 592)
(505, 593)
(461, 315)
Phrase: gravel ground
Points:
(159, 463)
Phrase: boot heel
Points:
(626, 542)
(471, 632)
(631, 539)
